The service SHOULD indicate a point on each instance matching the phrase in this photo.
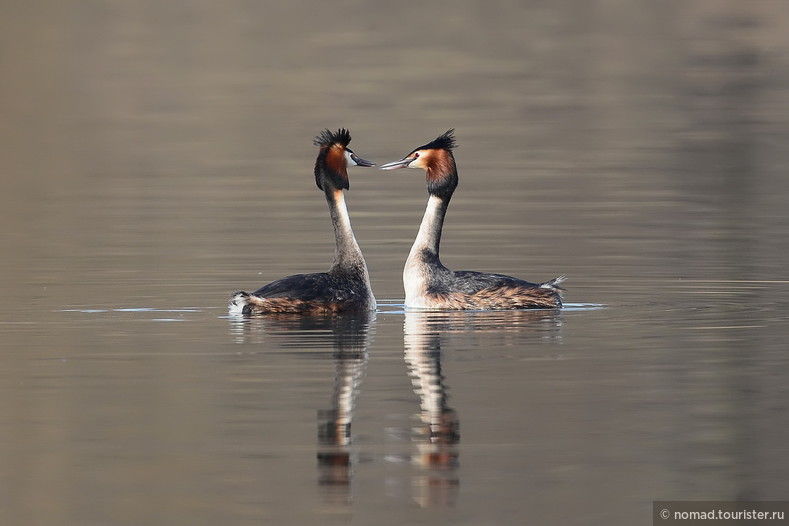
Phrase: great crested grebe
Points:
(428, 283)
(345, 287)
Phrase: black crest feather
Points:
(327, 138)
(442, 142)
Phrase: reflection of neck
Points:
(429, 237)
(423, 358)
(346, 388)
(347, 252)
(428, 383)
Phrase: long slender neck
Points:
(347, 252)
(442, 179)
(429, 237)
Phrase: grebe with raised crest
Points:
(345, 287)
(429, 284)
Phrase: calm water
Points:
(156, 158)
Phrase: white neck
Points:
(429, 235)
(347, 251)
(424, 252)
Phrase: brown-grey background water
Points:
(157, 156)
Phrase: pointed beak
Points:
(362, 162)
(394, 165)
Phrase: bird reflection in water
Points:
(433, 459)
(438, 434)
(335, 457)
(348, 337)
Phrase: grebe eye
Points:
(416, 155)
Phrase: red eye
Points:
(416, 155)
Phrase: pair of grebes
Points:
(345, 287)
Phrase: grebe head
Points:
(438, 162)
(334, 158)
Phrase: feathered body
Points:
(428, 283)
(345, 287)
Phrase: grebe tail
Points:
(428, 283)
(345, 287)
